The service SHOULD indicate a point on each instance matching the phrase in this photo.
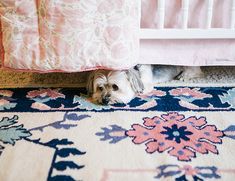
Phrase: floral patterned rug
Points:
(174, 133)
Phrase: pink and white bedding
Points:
(79, 35)
(69, 35)
(187, 52)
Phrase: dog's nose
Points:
(105, 100)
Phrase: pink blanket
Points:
(69, 35)
(187, 52)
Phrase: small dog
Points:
(110, 87)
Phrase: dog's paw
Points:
(148, 88)
(185, 76)
(190, 73)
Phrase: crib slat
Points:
(232, 24)
(185, 11)
(161, 13)
(140, 10)
(210, 4)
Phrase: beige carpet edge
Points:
(5, 86)
(213, 77)
(83, 85)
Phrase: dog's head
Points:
(110, 87)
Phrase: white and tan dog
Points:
(110, 87)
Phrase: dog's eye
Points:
(100, 88)
(115, 87)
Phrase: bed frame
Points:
(190, 33)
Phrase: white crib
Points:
(189, 33)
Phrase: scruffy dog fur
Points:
(110, 87)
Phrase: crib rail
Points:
(190, 33)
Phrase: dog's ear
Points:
(135, 81)
(90, 83)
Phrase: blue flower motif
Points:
(229, 98)
(182, 172)
(175, 133)
(115, 134)
(10, 133)
(6, 105)
(6, 100)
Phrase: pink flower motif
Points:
(40, 106)
(6, 93)
(173, 116)
(4, 102)
(189, 170)
(44, 93)
(154, 93)
(147, 105)
(189, 93)
(181, 137)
